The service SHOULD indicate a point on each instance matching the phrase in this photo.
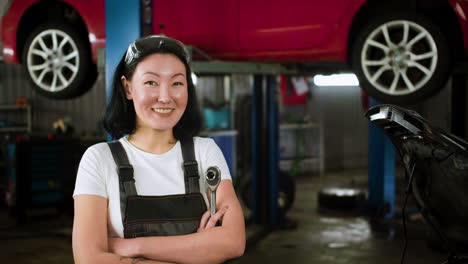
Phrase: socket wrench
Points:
(213, 178)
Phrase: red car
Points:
(401, 50)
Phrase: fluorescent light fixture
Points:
(342, 79)
(194, 78)
(92, 37)
(8, 51)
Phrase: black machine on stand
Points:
(436, 167)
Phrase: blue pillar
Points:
(381, 173)
(257, 193)
(273, 150)
(265, 152)
(123, 25)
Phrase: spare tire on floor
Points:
(342, 198)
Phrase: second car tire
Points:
(401, 58)
(58, 61)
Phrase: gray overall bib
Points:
(167, 215)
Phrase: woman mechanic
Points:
(142, 198)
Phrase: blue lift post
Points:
(255, 126)
(259, 143)
(265, 152)
(381, 173)
(276, 219)
(123, 25)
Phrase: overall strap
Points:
(190, 166)
(125, 170)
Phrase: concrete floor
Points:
(327, 236)
(319, 237)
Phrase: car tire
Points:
(62, 70)
(401, 70)
(286, 194)
(341, 198)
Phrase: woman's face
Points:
(159, 91)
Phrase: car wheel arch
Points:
(451, 26)
(51, 10)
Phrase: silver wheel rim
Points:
(399, 57)
(53, 60)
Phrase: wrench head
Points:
(213, 177)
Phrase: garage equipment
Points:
(41, 173)
(436, 168)
(213, 178)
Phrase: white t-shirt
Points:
(154, 174)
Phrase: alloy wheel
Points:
(53, 60)
(399, 57)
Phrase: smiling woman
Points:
(159, 91)
(121, 112)
(141, 196)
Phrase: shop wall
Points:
(337, 109)
(84, 112)
(345, 128)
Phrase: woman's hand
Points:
(208, 222)
(123, 247)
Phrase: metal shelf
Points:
(308, 159)
(299, 125)
(14, 107)
(317, 158)
(14, 129)
(218, 132)
(17, 128)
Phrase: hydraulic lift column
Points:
(265, 152)
(381, 172)
(123, 25)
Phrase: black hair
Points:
(120, 116)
